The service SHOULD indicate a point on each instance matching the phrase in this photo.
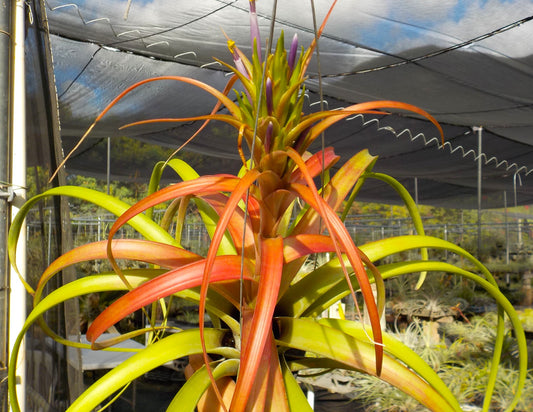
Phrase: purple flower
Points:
(292, 52)
(239, 65)
(301, 139)
(268, 95)
(268, 137)
(254, 29)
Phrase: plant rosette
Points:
(265, 310)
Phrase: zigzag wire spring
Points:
(365, 122)
(487, 159)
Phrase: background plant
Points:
(461, 358)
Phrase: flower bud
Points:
(254, 29)
(268, 137)
(268, 95)
(292, 52)
(239, 65)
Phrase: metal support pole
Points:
(17, 297)
(108, 169)
(49, 254)
(5, 160)
(416, 191)
(515, 176)
(416, 201)
(479, 131)
(506, 228)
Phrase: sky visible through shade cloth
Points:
(469, 63)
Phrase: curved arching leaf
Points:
(387, 247)
(102, 283)
(297, 400)
(73, 289)
(225, 268)
(344, 243)
(145, 226)
(161, 254)
(412, 208)
(337, 291)
(337, 229)
(400, 351)
(174, 346)
(316, 164)
(336, 191)
(207, 213)
(192, 390)
(310, 336)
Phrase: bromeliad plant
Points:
(265, 310)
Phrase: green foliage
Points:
(461, 358)
(249, 281)
(526, 317)
(127, 192)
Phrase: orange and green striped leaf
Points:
(225, 268)
(255, 335)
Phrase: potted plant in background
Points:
(265, 310)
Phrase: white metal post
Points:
(479, 131)
(17, 299)
(506, 228)
(5, 188)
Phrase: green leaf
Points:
(193, 389)
(412, 209)
(148, 228)
(104, 283)
(79, 287)
(337, 291)
(208, 215)
(297, 400)
(175, 346)
(310, 336)
(387, 247)
(310, 294)
(400, 351)
(301, 295)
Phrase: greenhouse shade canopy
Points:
(468, 63)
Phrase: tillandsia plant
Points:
(265, 310)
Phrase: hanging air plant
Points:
(265, 311)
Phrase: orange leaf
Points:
(316, 164)
(207, 117)
(253, 343)
(320, 121)
(337, 189)
(232, 107)
(224, 268)
(160, 254)
(339, 233)
(312, 47)
(337, 230)
(295, 247)
(236, 226)
(201, 186)
(238, 192)
(369, 106)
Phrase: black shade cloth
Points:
(467, 63)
